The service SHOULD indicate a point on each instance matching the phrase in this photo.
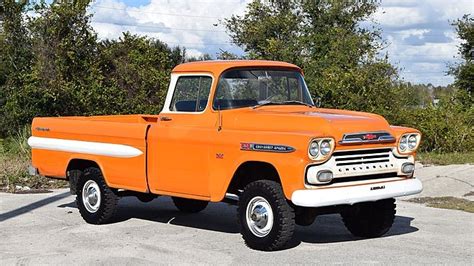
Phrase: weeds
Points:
(446, 203)
(15, 156)
(445, 158)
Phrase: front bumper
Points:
(355, 194)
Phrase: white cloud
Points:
(399, 16)
(193, 53)
(421, 40)
(193, 24)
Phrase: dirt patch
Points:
(471, 193)
(30, 191)
(452, 203)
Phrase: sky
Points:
(419, 38)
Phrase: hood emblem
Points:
(367, 137)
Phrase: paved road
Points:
(47, 229)
(447, 180)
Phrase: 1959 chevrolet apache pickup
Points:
(244, 132)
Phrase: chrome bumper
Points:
(356, 193)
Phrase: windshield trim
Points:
(218, 80)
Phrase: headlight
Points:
(403, 143)
(314, 149)
(325, 147)
(320, 149)
(412, 142)
(409, 142)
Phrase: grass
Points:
(445, 158)
(15, 156)
(446, 203)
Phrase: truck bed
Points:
(117, 143)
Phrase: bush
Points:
(445, 128)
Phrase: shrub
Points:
(445, 128)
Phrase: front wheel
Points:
(95, 200)
(370, 219)
(266, 220)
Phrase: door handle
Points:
(165, 118)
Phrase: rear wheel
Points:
(189, 205)
(95, 200)
(370, 219)
(266, 220)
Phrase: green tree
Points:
(63, 72)
(136, 69)
(464, 72)
(338, 56)
(15, 58)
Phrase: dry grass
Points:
(14, 174)
(446, 203)
(445, 158)
(15, 156)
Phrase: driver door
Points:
(180, 143)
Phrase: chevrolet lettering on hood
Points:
(265, 147)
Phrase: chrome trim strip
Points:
(354, 139)
(86, 147)
(380, 140)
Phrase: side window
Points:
(191, 94)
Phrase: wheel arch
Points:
(250, 171)
(79, 164)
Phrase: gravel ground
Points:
(47, 229)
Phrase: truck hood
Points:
(317, 121)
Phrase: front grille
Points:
(360, 159)
(359, 166)
(363, 162)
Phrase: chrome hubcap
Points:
(259, 216)
(91, 196)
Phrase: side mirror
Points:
(317, 102)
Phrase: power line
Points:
(213, 17)
(159, 13)
(157, 27)
(413, 34)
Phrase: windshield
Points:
(239, 88)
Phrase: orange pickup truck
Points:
(244, 132)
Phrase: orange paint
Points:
(185, 154)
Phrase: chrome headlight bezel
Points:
(408, 143)
(321, 156)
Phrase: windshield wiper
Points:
(283, 103)
(265, 104)
(298, 102)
